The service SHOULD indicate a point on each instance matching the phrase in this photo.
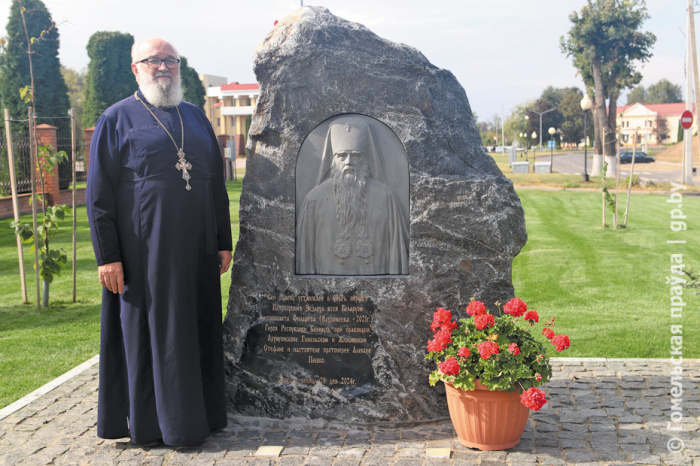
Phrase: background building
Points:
(229, 108)
(649, 118)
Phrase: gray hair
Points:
(135, 48)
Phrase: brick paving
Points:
(600, 411)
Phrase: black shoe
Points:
(153, 443)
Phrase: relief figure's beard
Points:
(161, 93)
(350, 190)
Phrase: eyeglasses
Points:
(154, 63)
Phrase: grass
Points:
(37, 346)
(606, 287)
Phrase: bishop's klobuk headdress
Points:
(350, 133)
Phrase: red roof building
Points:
(229, 107)
(646, 120)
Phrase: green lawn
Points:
(606, 288)
(37, 346)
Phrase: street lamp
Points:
(551, 132)
(540, 114)
(586, 104)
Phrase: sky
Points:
(503, 52)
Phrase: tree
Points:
(109, 78)
(638, 95)
(517, 123)
(192, 87)
(75, 80)
(605, 43)
(664, 92)
(572, 116)
(25, 41)
(661, 129)
(50, 93)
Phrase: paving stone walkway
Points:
(600, 411)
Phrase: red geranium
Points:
(513, 349)
(440, 342)
(467, 348)
(487, 349)
(483, 321)
(450, 366)
(464, 352)
(561, 342)
(533, 398)
(531, 316)
(476, 308)
(515, 307)
(443, 319)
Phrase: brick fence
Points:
(46, 135)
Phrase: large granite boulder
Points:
(352, 346)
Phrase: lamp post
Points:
(586, 104)
(551, 132)
(540, 114)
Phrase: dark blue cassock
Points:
(161, 353)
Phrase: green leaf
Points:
(434, 378)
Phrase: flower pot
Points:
(484, 419)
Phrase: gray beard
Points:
(350, 201)
(159, 94)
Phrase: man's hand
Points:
(225, 258)
(112, 276)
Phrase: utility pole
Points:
(540, 114)
(691, 73)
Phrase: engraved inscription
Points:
(329, 336)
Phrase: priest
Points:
(160, 225)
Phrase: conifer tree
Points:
(51, 92)
(109, 78)
(192, 87)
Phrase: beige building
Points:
(229, 107)
(644, 117)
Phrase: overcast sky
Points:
(503, 52)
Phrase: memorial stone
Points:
(367, 203)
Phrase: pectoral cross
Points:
(184, 165)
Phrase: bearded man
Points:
(350, 223)
(159, 218)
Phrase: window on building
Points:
(218, 122)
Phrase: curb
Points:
(24, 401)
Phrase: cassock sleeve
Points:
(103, 179)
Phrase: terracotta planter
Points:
(484, 419)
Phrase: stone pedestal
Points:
(351, 346)
(543, 167)
(521, 167)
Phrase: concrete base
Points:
(543, 167)
(521, 167)
(597, 162)
(612, 166)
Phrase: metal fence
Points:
(23, 163)
(65, 173)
